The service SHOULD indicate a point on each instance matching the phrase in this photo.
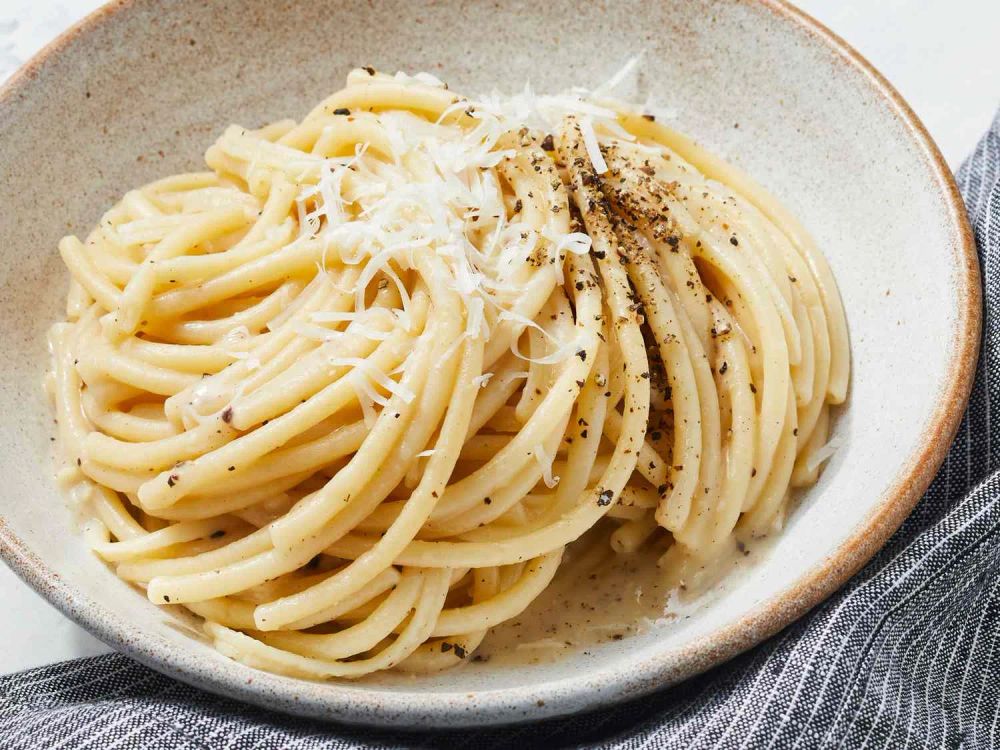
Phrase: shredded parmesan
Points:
(592, 146)
(616, 80)
(366, 397)
(824, 452)
(365, 368)
(545, 461)
(563, 349)
(482, 380)
(375, 215)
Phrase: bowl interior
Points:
(142, 91)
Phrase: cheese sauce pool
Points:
(600, 596)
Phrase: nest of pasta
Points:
(350, 394)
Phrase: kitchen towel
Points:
(906, 655)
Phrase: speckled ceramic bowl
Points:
(138, 91)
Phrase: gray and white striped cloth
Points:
(906, 655)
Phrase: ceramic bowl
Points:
(139, 89)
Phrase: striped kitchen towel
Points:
(906, 655)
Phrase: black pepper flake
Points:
(227, 415)
(369, 70)
(341, 111)
(605, 498)
(460, 652)
(488, 500)
(518, 206)
(662, 489)
(651, 118)
(582, 354)
(753, 388)
(172, 480)
(232, 468)
(733, 241)
(583, 434)
(723, 367)
(795, 432)
(548, 144)
(753, 472)
(166, 599)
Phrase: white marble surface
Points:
(940, 55)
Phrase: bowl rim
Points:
(530, 703)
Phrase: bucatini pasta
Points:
(348, 395)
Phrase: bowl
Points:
(138, 90)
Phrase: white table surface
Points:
(940, 54)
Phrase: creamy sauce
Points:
(600, 596)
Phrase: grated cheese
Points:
(436, 192)
(482, 380)
(365, 368)
(545, 462)
(824, 452)
(613, 83)
(592, 146)
(563, 349)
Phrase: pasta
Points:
(348, 395)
